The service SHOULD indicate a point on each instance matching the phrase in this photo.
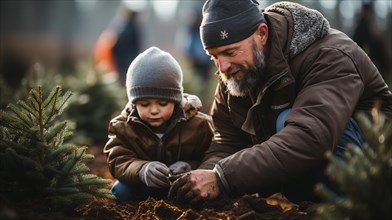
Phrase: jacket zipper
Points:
(272, 81)
(261, 117)
(161, 154)
(161, 151)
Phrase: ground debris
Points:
(246, 207)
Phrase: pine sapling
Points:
(364, 175)
(37, 163)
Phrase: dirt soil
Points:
(246, 207)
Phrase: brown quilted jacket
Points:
(317, 71)
(132, 143)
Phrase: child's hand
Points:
(180, 167)
(154, 174)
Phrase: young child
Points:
(159, 133)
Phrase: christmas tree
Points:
(36, 162)
(364, 175)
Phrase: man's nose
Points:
(223, 65)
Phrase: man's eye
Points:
(230, 53)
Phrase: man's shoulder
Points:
(334, 38)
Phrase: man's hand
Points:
(195, 186)
(180, 167)
(154, 174)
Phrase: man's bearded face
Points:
(242, 87)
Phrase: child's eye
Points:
(163, 103)
(144, 104)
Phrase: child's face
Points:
(154, 111)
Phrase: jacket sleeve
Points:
(227, 139)
(204, 137)
(331, 88)
(123, 162)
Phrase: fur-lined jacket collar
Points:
(308, 24)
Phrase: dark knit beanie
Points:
(228, 21)
(154, 74)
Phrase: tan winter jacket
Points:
(317, 71)
(132, 143)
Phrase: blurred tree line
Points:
(94, 102)
(61, 36)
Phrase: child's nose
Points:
(154, 109)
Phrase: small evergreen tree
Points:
(35, 161)
(95, 99)
(364, 176)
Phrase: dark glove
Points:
(154, 174)
(180, 167)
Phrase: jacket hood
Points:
(190, 106)
(308, 24)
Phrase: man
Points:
(289, 88)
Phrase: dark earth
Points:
(245, 207)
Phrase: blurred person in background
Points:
(200, 61)
(103, 52)
(160, 133)
(290, 86)
(119, 44)
(189, 43)
(369, 36)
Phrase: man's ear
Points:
(263, 32)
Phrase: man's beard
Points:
(252, 77)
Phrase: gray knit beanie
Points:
(229, 21)
(154, 74)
